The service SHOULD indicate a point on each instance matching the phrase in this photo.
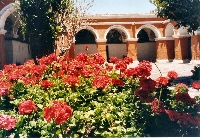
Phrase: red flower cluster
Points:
(184, 118)
(173, 115)
(172, 75)
(113, 60)
(157, 107)
(120, 65)
(145, 96)
(27, 107)
(162, 81)
(59, 112)
(196, 85)
(128, 60)
(144, 69)
(148, 84)
(101, 81)
(7, 122)
(185, 98)
(46, 84)
(131, 72)
(118, 82)
(71, 81)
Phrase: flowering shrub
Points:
(86, 97)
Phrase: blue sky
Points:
(121, 6)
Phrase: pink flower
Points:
(7, 122)
(27, 107)
(59, 112)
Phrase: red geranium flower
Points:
(101, 81)
(173, 115)
(131, 72)
(172, 75)
(144, 69)
(128, 60)
(185, 98)
(118, 82)
(121, 65)
(144, 95)
(162, 81)
(59, 112)
(157, 107)
(196, 85)
(7, 122)
(148, 84)
(46, 84)
(71, 80)
(26, 107)
(113, 60)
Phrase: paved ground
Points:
(183, 70)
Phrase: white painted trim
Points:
(131, 39)
(5, 12)
(117, 27)
(181, 36)
(125, 23)
(91, 29)
(168, 28)
(151, 22)
(2, 31)
(101, 40)
(152, 27)
(164, 38)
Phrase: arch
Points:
(169, 30)
(85, 36)
(91, 29)
(119, 28)
(5, 12)
(152, 27)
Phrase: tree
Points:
(185, 12)
(42, 20)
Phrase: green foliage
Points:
(184, 12)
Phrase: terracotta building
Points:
(140, 36)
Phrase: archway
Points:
(146, 46)
(116, 36)
(85, 37)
